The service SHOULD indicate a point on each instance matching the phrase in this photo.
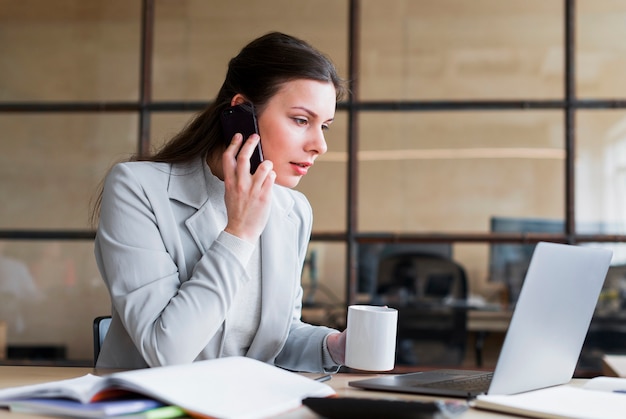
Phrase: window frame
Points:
(569, 104)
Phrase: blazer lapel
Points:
(190, 185)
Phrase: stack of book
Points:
(235, 387)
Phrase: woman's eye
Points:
(325, 127)
(300, 121)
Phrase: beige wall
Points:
(419, 172)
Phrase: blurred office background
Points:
(473, 130)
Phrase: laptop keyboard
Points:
(478, 383)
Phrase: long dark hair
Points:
(257, 73)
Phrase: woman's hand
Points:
(336, 343)
(248, 197)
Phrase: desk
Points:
(11, 376)
(480, 323)
(488, 320)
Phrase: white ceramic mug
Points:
(371, 337)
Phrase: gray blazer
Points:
(171, 282)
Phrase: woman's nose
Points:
(318, 143)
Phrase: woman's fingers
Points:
(229, 158)
(248, 197)
(245, 152)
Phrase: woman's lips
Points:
(301, 168)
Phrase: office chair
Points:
(100, 328)
(430, 293)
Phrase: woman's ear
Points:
(238, 99)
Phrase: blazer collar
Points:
(193, 184)
(189, 183)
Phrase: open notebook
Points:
(545, 336)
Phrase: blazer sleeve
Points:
(169, 319)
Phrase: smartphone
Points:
(242, 119)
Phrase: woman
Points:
(202, 259)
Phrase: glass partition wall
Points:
(472, 131)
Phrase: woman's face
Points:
(292, 125)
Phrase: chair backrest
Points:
(422, 278)
(100, 328)
(430, 293)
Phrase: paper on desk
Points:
(606, 384)
(558, 402)
(73, 388)
(73, 408)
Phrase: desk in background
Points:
(488, 320)
(481, 323)
(606, 335)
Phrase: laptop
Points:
(544, 339)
